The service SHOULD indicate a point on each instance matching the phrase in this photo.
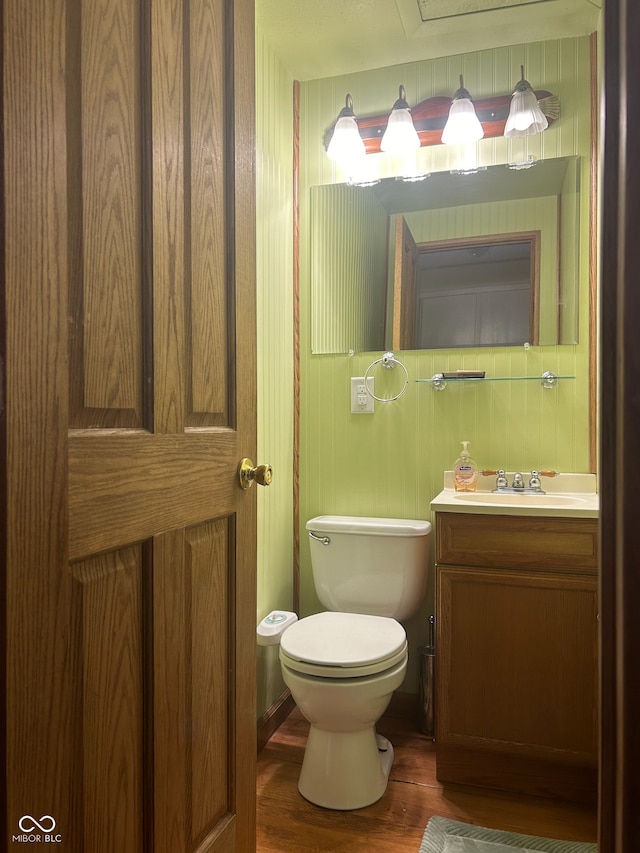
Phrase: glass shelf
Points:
(547, 380)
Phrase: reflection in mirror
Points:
(357, 287)
(479, 291)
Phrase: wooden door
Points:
(619, 413)
(128, 334)
(405, 287)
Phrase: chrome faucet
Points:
(534, 481)
(518, 485)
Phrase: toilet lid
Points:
(343, 645)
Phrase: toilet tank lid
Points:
(368, 525)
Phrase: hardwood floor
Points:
(287, 823)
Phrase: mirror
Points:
(367, 297)
(470, 292)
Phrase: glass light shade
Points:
(463, 125)
(346, 144)
(400, 136)
(346, 147)
(525, 115)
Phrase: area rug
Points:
(451, 836)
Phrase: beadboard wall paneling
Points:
(275, 351)
(349, 260)
(391, 463)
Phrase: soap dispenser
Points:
(465, 471)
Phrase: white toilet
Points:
(343, 665)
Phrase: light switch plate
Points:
(362, 403)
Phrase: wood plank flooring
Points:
(287, 823)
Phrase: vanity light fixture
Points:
(400, 137)
(346, 146)
(429, 118)
(463, 125)
(525, 116)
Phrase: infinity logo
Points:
(27, 823)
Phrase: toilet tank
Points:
(369, 565)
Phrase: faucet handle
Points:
(501, 482)
(534, 482)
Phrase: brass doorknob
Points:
(248, 472)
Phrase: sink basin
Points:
(569, 495)
(521, 500)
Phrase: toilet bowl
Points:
(342, 669)
(342, 665)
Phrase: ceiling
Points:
(326, 38)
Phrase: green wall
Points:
(274, 254)
(391, 463)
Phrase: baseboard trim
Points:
(273, 717)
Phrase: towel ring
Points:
(388, 361)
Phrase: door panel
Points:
(206, 561)
(106, 171)
(405, 284)
(193, 657)
(130, 400)
(108, 602)
(125, 486)
(209, 305)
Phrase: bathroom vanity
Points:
(516, 671)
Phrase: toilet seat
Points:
(343, 645)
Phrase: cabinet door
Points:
(517, 680)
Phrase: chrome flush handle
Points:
(324, 539)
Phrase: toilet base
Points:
(345, 770)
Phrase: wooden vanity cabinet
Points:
(516, 646)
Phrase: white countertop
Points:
(567, 495)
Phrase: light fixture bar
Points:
(430, 116)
